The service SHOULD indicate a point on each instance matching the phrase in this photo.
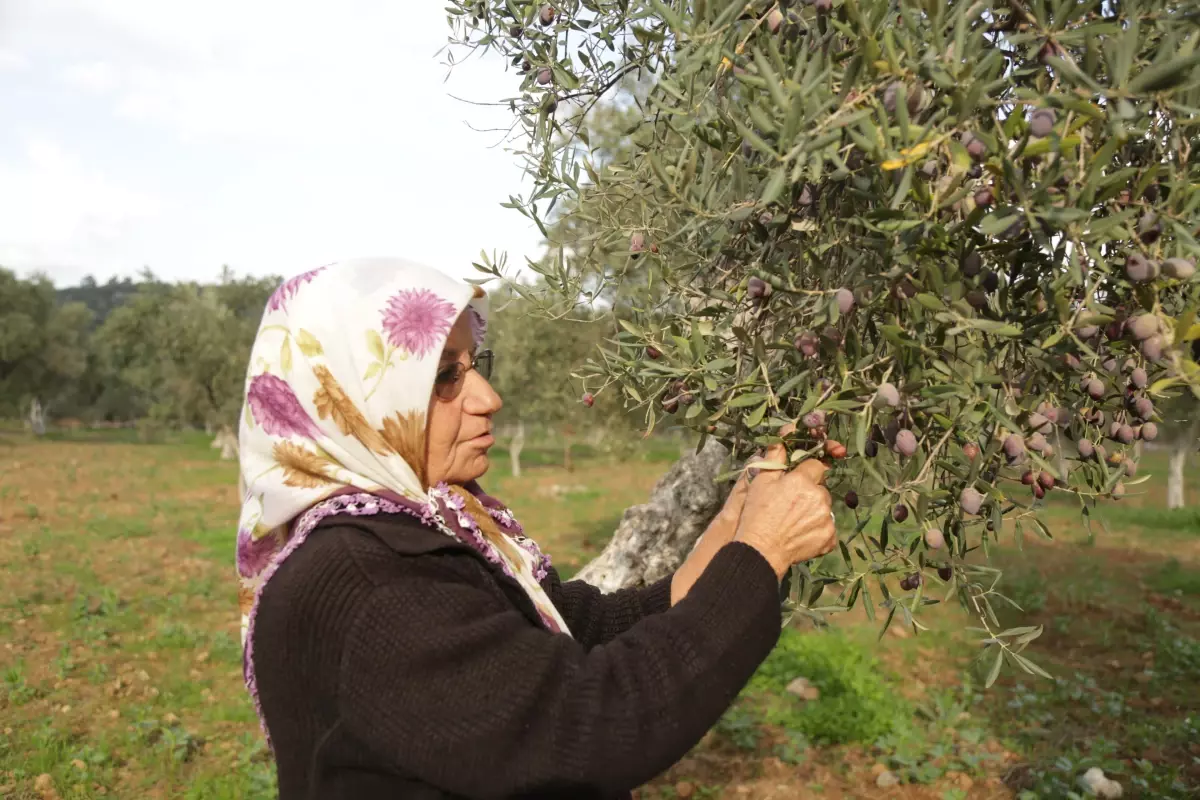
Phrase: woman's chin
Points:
(472, 471)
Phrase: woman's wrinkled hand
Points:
(787, 514)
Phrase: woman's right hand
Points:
(788, 514)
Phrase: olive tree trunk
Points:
(227, 442)
(1179, 453)
(37, 418)
(653, 539)
(514, 448)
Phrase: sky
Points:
(268, 135)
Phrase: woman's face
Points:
(460, 429)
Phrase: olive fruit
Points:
(887, 396)
(1014, 445)
(1041, 122)
(1179, 268)
(906, 443)
(970, 500)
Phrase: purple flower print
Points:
(254, 556)
(478, 326)
(288, 289)
(417, 320)
(274, 406)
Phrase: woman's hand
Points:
(788, 514)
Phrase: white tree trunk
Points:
(653, 539)
(37, 418)
(226, 441)
(1179, 453)
(515, 447)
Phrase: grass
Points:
(120, 672)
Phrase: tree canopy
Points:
(954, 240)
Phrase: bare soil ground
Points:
(120, 670)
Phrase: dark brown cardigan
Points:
(393, 662)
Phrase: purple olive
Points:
(934, 539)
(1179, 268)
(972, 264)
(887, 396)
(1143, 326)
(1037, 442)
(1138, 268)
(851, 499)
(845, 301)
(1149, 432)
(1046, 480)
(757, 289)
(808, 344)
(900, 512)
(1014, 445)
(1152, 348)
(906, 443)
(1086, 449)
(970, 500)
(945, 573)
(1138, 378)
(1095, 388)
(1124, 434)
(1144, 408)
(814, 419)
(1041, 122)
(976, 147)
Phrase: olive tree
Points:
(953, 241)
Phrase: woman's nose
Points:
(479, 396)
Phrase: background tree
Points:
(953, 239)
(184, 348)
(42, 344)
(534, 357)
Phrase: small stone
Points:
(886, 779)
(684, 789)
(800, 687)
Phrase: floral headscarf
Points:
(339, 383)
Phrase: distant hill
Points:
(101, 298)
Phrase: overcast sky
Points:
(269, 135)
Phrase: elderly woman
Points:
(403, 637)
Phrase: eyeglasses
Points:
(450, 378)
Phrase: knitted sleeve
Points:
(445, 681)
(595, 618)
